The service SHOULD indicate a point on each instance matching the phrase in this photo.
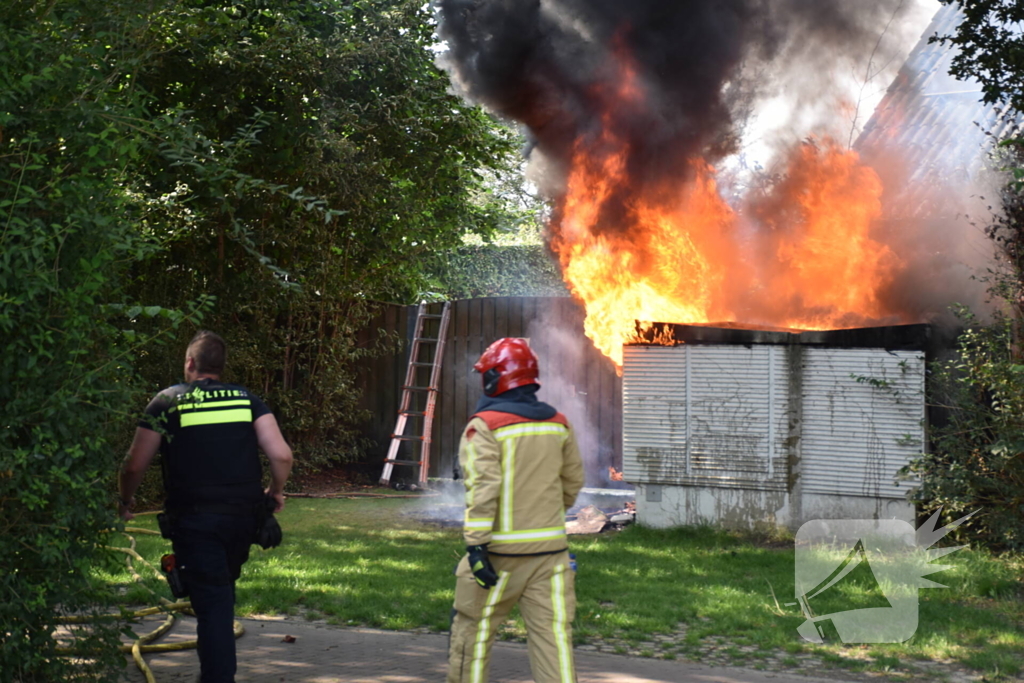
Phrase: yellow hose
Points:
(136, 648)
(142, 644)
(148, 611)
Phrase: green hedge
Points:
(498, 270)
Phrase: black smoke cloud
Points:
(703, 67)
(552, 65)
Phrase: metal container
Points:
(743, 427)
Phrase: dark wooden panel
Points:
(440, 460)
(376, 377)
(388, 391)
(453, 358)
(501, 306)
(548, 348)
(404, 325)
(528, 316)
(576, 378)
(460, 369)
(486, 328)
(515, 318)
(470, 354)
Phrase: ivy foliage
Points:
(976, 463)
(472, 271)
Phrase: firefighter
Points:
(522, 472)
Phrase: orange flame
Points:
(829, 267)
(654, 269)
(679, 255)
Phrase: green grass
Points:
(367, 562)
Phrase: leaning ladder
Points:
(423, 409)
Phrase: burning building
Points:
(738, 426)
(641, 117)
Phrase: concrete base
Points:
(663, 506)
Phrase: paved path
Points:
(329, 654)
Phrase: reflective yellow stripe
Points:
(558, 624)
(209, 404)
(483, 631)
(470, 472)
(478, 523)
(530, 429)
(212, 417)
(507, 480)
(528, 535)
(507, 436)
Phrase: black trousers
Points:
(210, 550)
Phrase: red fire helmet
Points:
(506, 364)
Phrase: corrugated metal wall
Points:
(706, 416)
(863, 419)
(753, 416)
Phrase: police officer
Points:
(209, 433)
(522, 472)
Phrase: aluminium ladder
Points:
(422, 409)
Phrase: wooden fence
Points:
(575, 377)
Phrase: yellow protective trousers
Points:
(544, 586)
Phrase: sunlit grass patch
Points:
(368, 562)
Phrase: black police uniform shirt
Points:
(208, 443)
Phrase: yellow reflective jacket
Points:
(521, 476)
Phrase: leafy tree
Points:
(324, 143)
(292, 161)
(70, 202)
(991, 48)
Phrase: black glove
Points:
(480, 565)
(268, 531)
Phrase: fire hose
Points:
(143, 643)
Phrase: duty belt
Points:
(217, 508)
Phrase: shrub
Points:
(977, 456)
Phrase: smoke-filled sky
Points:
(737, 85)
(720, 76)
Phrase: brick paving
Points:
(330, 654)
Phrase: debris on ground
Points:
(593, 520)
(589, 520)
